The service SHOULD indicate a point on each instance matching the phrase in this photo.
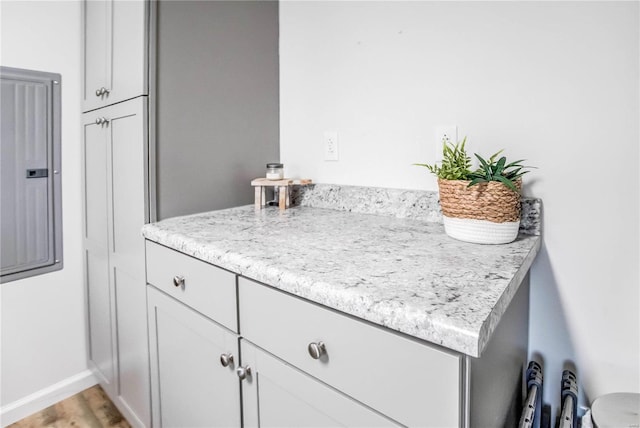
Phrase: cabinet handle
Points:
(178, 280)
(105, 121)
(243, 372)
(102, 91)
(316, 350)
(99, 120)
(226, 359)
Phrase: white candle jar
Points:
(275, 171)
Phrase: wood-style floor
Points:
(90, 408)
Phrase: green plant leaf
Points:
(455, 165)
(483, 162)
(494, 169)
(493, 157)
(514, 164)
(508, 183)
(476, 181)
(499, 166)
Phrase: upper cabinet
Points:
(115, 51)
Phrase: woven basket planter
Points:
(486, 213)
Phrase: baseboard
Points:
(46, 397)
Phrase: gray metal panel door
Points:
(28, 163)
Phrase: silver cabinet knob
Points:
(226, 360)
(105, 121)
(102, 91)
(178, 280)
(99, 121)
(243, 372)
(316, 350)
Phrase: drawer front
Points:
(408, 381)
(279, 395)
(206, 288)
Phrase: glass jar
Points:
(275, 171)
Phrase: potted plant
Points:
(481, 206)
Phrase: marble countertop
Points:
(400, 273)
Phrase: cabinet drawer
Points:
(206, 288)
(410, 382)
(279, 395)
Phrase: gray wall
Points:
(217, 102)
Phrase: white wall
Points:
(555, 83)
(43, 333)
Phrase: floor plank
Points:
(104, 410)
(90, 408)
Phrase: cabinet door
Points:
(278, 395)
(115, 194)
(115, 51)
(190, 387)
(127, 202)
(96, 23)
(96, 256)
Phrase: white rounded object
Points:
(275, 175)
(481, 231)
(620, 409)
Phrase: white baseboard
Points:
(46, 397)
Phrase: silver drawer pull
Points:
(243, 372)
(317, 350)
(178, 281)
(226, 360)
(102, 91)
(99, 120)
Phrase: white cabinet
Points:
(115, 51)
(360, 374)
(408, 381)
(191, 387)
(96, 246)
(275, 394)
(199, 285)
(114, 154)
(115, 171)
(194, 351)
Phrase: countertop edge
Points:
(505, 299)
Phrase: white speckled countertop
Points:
(401, 273)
